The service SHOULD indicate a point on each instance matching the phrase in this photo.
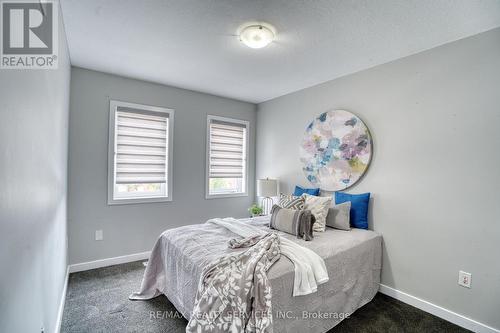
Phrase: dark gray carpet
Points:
(97, 301)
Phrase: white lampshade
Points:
(267, 187)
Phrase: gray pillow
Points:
(338, 216)
(292, 221)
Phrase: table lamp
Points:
(267, 188)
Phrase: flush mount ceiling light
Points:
(256, 35)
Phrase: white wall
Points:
(34, 109)
(134, 228)
(435, 173)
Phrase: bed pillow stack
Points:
(346, 211)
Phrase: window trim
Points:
(246, 123)
(113, 105)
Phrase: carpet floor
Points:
(97, 301)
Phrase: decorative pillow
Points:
(299, 191)
(319, 208)
(291, 201)
(338, 216)
(292, 221)
(359, 207)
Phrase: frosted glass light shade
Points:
(267, 187)
(257, 36)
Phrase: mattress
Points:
(353, 260)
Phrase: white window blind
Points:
(227, 146)
(141, 146)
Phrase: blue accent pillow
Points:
(359, 207)
(299, 191)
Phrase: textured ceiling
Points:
(191, 44)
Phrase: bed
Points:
(352, 258)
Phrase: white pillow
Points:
(319, 208)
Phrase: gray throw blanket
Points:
(234, 294)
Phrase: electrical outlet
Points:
(464, 279)
(98, 235)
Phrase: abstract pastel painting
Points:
(336, 150)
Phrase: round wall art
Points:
(336, 150)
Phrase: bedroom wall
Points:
(134, 228)
(34, 110)
(435, 174)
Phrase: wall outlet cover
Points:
(98, 235)
(464, 279)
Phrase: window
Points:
(140, 154)
(227, 156)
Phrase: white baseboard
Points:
(438, 311)
(85, 266)
(62, 301)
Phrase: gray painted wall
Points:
(34, 109)
(134, 228)
(435, 174)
